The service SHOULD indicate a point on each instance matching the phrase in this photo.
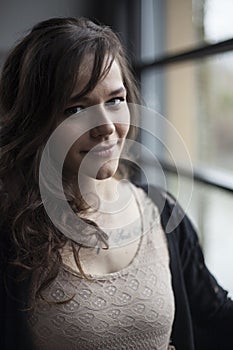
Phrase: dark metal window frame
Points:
(200, 175)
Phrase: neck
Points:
(98, 193)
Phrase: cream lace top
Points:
(129, 309)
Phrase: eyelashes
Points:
(113, 103)
(73, 110)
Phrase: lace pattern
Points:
(129, 309)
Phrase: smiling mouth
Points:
(102, 151)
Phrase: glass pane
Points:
(193, 23)
(199, 102)
(218, 25)
(215, 111)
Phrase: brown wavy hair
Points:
(37, 80)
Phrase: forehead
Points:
(112, 79)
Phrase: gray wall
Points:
(18, 16)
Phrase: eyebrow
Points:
(77, 98)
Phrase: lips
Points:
(104, 149)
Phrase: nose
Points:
(106, 125)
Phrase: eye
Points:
(116, 101)
(73, 110)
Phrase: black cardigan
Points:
(203, 312)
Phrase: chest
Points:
(109, 260)
(124, 230)
(134, 305)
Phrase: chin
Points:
(104, 176)
(106, 171)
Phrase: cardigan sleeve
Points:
(211, 308)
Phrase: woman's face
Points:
(104, 118)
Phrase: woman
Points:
(106, 277)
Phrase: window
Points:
(186, 75)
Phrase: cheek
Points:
(122, 121)
(122, 130)
(123, 126)
(74, 156)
